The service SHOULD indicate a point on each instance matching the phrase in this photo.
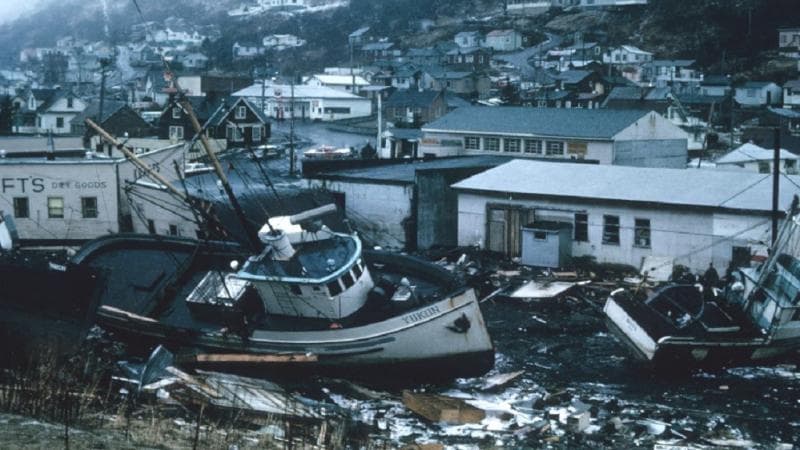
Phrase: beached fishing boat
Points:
(754, 319)
(311, 301)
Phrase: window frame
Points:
(532, 146)
(470, 139)
(87, 211)
(176, 132)
(256, 133)
(611, 231)
(640, 231)
(18, 207)
(507, 147)
(554, 148)
(241, 112)
(495, 143)
(52, 210)
(580, 227)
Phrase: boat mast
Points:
(237, 208)
(776, 172)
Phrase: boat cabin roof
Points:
(313, 262)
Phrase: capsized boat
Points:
(313, 301)
(754, 319)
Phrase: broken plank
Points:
(440, 408)
(246, 358)
(501, 379)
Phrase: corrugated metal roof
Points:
(678, 187)
(566, 122)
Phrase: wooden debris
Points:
(501, 379)
(199, 359)
(428, 446)
(565, 275)
(440, 408)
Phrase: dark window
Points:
(641, 233)
(59, 122)
(491, 144)
(55, 207)
(21, 207)
(173, 230)
(151, 226)
(69, 102)
(89, 207)
(334, 288)
(611, 230)
(540, 235)
(176, 113)
(348, 280)
(555, 148)
(241, 112)
(511, 145)
(472, 143)
(581, 227)
(336, 110)
(295, 288)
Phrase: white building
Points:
(758, 93)
(467, 39)
(345, 83)
(504, 40)
(75, 196)
(623, 214)
(791, 94)
(269, 4)
(623, 137)
(282, 41)
(752, 158)
(56, 115)
(527, 7)
(310, 102)
(627, 54)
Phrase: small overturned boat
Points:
(312, 301)
(328, 152)
(754, 319)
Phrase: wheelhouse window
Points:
(491, 144)
(611, 230)
(55, 207)
(533, 146)
(348, 280)
(357, 270)
(511, 145)
(641, 233)
(581, 227)
(555, 148)
(334, 288)
(89, 207)
(472, 143)
(21, 207)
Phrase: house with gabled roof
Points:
(619, 137)
(791, 94)
(55, 115)
(414, 107)
(174, 123)
(245, 125)
(756, 94)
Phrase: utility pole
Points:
(776, 172)
(291, 129)
(104, 62)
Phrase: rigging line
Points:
(744, 190)
(267, 178)
(254, 193)
(156, 203)
(157, 236)
(38, 224)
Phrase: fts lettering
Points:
(35, 185)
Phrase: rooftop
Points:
(716, 189)
(343, 80)
(405, 173)
(566, 122)
(300, 91)
(750, 152)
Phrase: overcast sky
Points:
(11, 9)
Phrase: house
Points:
(583, 81)
(681, 75)
(357, 37)
(627, 54)
(117, 118)
(791, 94)
(414, 107)
(789, 41)
(715, 86)
(174, 123)
(55, 116)
(752, 158)
(467, 84)
(399, 143)
(247, 50)
(406, 76)
(282, 41)
(212, 84)
(306, 102)
(193, 60)
(600, 3)
(245, 125)
(467, 39)
(755, 94)
(377, 51)
(618, 137)
(527, 7)
(622, 214)
(504, 40)
(345, 83)
(471, 58)
(424, 56)
(270, 4)
(406, 205)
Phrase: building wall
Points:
(768, 95)
(70, 181)
(693, 238)
(169, 215)
(651, 153)
(379, 212)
